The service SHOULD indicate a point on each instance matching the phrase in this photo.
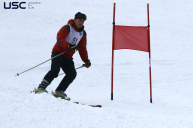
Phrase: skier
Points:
(70, 37)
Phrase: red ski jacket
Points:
(62, 45)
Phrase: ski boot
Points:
(42, 87)
(60, 94)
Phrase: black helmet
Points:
(80, 15)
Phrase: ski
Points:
(35, 91)
(88, 105)
(99, 106)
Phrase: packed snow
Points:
(27, 37)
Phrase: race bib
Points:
(74, 37)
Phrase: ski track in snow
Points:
(27, 37)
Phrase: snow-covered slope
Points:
(27, 37)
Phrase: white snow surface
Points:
(27, 37)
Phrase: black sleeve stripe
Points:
(68, 27)
(84, 32)
(59, 43)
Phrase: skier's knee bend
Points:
(55, 73)
(71, 76)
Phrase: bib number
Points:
(74, 41)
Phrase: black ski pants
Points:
(67, 66)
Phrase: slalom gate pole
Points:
(76, 69)
(42, 62)
(113, 52)
(148, 34)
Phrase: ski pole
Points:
(43, 62)
(76, 69)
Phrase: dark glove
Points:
(72, 47)
(87, 63)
